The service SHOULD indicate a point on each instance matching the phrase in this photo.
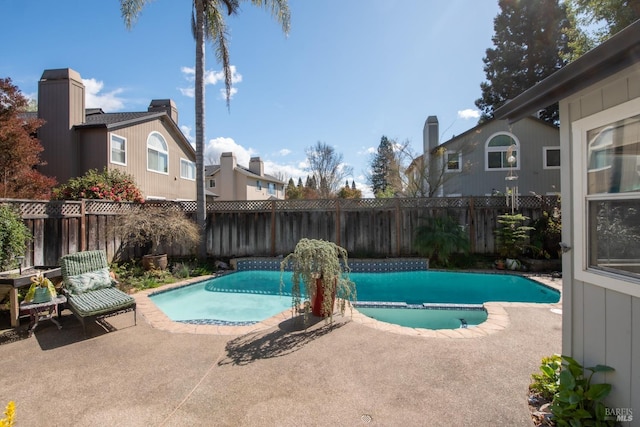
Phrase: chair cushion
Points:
(90, 281)
(100, 301)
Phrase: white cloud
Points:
(223, 93)
(94, 99)
(188, 91)
(289, 171)
(211, 77)
(469, 113)
(284, 152)
(186, 130)
(215, 147)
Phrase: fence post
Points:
(83, 226)
(472, 224)
(273, 228)
(338, 222)
(398, 228)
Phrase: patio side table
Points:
(43, 311)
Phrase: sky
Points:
(349, 71)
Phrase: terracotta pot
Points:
(316, 300)
(155, 262)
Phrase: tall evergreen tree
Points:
(530, 43)
(614, 15)
(381, 165)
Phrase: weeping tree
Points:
(208, 23)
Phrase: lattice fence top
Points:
(53, 209)
(31, 209)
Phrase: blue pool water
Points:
(247, 297)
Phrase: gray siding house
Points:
(476, 162)
(147, 144)
(599, 96)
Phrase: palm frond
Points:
(216, 32)
(130, 10)
(279, 10)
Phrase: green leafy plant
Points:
(546, 382)
(578, 401)
(318, 263)
(14, 236)
(106, 185)
(512, 235)
(546, 235)
(439, 238)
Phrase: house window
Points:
(607, 196)
(259, 185)
(157, 153)
(454, 161)
(187, 170)
(118, 150)
(272, 188)
(551, 157)
(498, 149)
(212, 183)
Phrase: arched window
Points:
(496, 152)
(157, 153)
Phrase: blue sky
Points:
(349, 72)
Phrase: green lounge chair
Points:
(90, 290)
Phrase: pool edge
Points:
(497, 316)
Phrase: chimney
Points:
(256, 166)
(166, 105)
(226, 185)
(61, 105)
(430, 138)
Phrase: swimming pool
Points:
(248, 297)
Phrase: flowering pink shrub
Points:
(107, 185)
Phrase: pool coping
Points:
(497, 316)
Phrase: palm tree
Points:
(207, 22)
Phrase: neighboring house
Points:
(476, 162)
(231, 181)
(599, 96)
(148, 144)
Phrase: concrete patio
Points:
(349, 374)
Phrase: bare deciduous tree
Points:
(328, 168)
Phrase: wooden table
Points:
(14, 283)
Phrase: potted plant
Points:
(155, 228)
(320, 274)
(512, 237)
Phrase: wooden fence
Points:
(365, 227)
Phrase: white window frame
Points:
(446, 159)
(212, 183)
(545, 163)
(603, 278)
(258, 185)
(501, 149)
(272, 188)
(188, 163)
(165, 152)
(124, 151)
